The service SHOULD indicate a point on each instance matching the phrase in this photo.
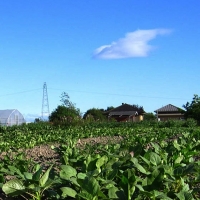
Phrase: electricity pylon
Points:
(45, 103)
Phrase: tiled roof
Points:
(126, 109)
(169, 108)
(128, 113)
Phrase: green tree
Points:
(193, 108)
(65, 113)
(65, 99)
(139, 109)
(109, 108)
(94, 114)
(149, 117)
(37, 120)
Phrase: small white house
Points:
(11, 117)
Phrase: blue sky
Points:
(102, 53)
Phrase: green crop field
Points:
(97, 161)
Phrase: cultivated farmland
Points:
(100, 161)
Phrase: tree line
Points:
(67, 112)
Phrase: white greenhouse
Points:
(11, 117)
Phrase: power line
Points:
(100, 93)
(26, 91)
(114, 94)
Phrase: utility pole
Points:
(45, 102)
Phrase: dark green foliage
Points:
(94, 114)
(37, 120)
(109, 108)
(149, 117)
(174, 123)
(66, 113)
(193, 108)
(190, 123)
(138, 108)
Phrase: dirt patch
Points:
(45, 154)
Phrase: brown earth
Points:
(44, 154)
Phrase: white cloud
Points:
(134, 44)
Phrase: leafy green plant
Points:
(33, 185)
(190, 123)
(147, 161)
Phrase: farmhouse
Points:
(169, 112)
(11, 117)
(126, 113)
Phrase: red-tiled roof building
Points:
(126, 112)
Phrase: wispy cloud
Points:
(134, 44)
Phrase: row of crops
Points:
(148, 162)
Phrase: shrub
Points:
(174, 123)
(190, 123)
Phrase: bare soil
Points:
(44, 154)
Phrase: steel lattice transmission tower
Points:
(45, 103)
